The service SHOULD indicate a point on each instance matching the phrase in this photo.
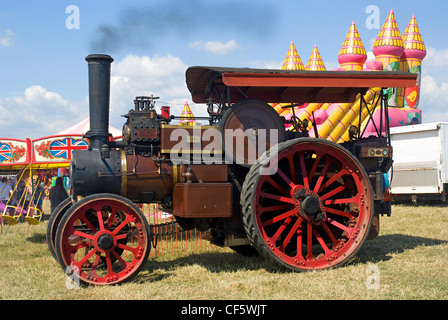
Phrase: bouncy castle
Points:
(393, 52)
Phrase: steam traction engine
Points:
(303, 202)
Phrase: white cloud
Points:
(216, 47)
(162, 76)
(435, 59)
(38, 113)
(264, 64)
(6, 38)
(434, 99)
(434, 86)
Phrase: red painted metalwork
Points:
(322, 79)
(103, 239)
(287, 85)
(315, 211)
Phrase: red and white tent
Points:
(53, 151)
(84, 126)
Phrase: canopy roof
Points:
(82, 127)
(296, 86)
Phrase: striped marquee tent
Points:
(48, 152)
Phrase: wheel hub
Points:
(308, 205)
(105, 241)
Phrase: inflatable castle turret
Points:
(315, 62)
(187, 117)
(388, 48)
(393, 52)
(413, 54)
(352, 55)
(292, 60)
(400, 54)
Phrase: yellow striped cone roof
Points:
(413, 42)
(389, 41)
(292, 60)
(352, 49)
(187, 116)
(315, 62)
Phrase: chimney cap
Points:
(105, 57)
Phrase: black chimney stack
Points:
(99, 97)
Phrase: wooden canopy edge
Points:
(322, 79)
(274, 85)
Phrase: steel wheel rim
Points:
(300, 238)
(106, 250)
(53, 223)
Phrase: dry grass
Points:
(411, 255)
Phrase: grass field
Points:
(409, 260)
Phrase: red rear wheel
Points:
(314, 211)
(103, 239)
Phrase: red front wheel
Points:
(314, 211)
(103, 239)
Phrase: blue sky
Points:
(43, 74)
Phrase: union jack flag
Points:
(63, 148)
(5, 152)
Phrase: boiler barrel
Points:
(138, 178)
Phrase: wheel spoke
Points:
(299, 242)
(120, 259)
(275, 185)
(314, 167)
(75, 244)
(125, 222)
(341, 201)
(85, 258)
(83, 235)
(88, 224)
(95, 265)
(329, 233)
(281, 229)
(275, 208)
(291, 233)
(127, 248)
(279, 218)
(309, 241)
(284, 177)
(292, 169)
(333, 179)
(321, 242)
(322, 175)
(340, 226)
(338, 212)
(332, 193)
(303, 168)
(276, 197)
(109, 265)
(110, 221)
(99, 214)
